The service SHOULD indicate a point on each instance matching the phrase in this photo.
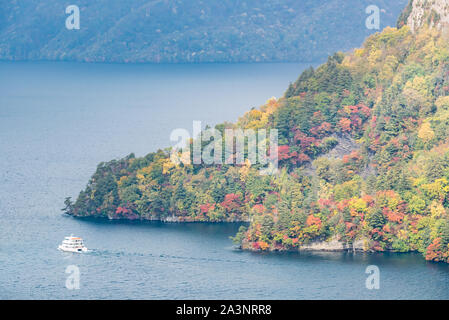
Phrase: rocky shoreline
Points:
(333, 245)
(168, 219)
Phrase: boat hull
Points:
(74, 250)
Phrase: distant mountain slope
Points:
(187, 31)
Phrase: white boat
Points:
(72, 244)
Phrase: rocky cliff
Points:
(434, 13)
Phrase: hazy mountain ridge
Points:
(187, 31)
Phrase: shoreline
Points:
(171, 219)
(323, 246)
(332, 245)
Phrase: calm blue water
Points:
(59, 120)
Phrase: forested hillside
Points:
(178, 31)
(364, 159)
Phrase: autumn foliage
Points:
(363, 158)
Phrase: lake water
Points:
(59, 120)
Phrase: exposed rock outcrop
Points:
(346, 145)
(434, 13)
(334, 245)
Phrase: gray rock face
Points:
(435, 13)
(346, 145)
(334, 245)
(331, 245)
